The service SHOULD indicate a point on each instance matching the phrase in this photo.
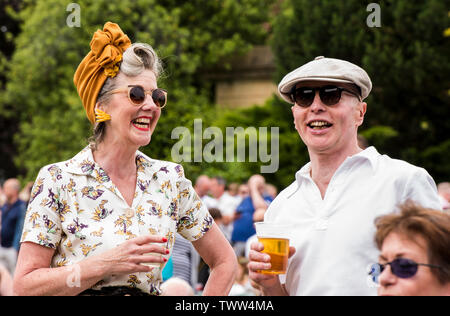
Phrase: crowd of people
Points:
(235, 207)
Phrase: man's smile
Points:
(319, 124)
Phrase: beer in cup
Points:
(275, 238)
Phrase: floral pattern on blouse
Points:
(76, 209)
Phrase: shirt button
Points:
(129, 212)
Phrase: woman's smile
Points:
(142, 123)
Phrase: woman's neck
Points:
(117, 161)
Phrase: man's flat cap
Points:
(329, 70)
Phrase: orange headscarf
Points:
(101, 62)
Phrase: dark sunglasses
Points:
(137, 94)
(400, 267)
(329, 95)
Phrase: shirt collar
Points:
(84, 164)
(369, 154)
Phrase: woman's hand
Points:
(269, 284)
(130, 256)
(34, 277)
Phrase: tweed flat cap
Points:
(326, 69)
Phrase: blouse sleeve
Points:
(42, 223)
(194, 219)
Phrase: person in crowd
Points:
(233, 189)
(444, 195)
(103, 222)
(337, 195)
(243, 191)
(203, 187)
(185, 260)
(12, 211)
(25, 194)
(176, 287)
(271, 190)
(216, 215)
(2, 196)
(251, 209)
(226, 203)
(6, 282)
(242, 286)
(415, 252)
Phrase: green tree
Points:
(9, 28)
(190, 36)
(407, 59)
(292, 152)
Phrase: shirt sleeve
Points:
(194, 219)
(42, 223)
(421, 189)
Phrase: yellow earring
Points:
(101, 116)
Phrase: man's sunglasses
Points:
(329, 95)
(400, 267)
(137, 94)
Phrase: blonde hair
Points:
(139, 57)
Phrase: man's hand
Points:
(268, 284)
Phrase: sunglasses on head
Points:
(137, 95)
(400, 267)
(329, 95)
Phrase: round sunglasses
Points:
(400, 267)
(329, 95)
(137, 95)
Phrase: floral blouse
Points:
(76, 209)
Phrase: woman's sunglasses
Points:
(137, 94)
(329, 95)
(400, 267)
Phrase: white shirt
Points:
(227, 205)
(334, 237)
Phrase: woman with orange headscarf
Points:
(104, 222)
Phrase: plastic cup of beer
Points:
(275, 238)
(160, 231)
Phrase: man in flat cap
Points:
(335, 198)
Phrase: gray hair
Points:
(136, 58)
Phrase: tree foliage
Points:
(407, 59)
(190, 36)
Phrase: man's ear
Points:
(361, 111)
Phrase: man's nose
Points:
(317, 105)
